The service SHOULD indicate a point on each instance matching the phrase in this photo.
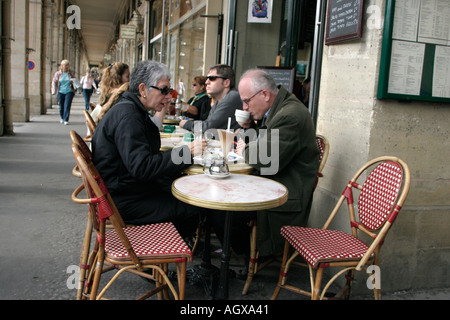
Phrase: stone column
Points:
(19, 61)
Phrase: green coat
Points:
(297, 167)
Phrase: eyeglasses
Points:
(194, 85)
(164, 91)
(247, 101)
(214, 78)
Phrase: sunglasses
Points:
(164, 91)
(214, 78)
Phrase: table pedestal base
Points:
(207, 276)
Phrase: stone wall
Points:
(360, 127)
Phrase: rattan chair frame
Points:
(81, 142)
(254, 267)
(95, 190)
(90, 123)
(371, 256)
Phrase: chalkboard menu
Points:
(415, 55)
(344, 20)
(282, 75)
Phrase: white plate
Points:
(213, 176)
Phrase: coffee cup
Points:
(242, 116)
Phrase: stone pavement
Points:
(41, 229)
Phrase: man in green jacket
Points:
(284, 150)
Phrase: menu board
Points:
(282, 75)
(415, 58)
(344, 20)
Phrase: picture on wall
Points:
(260, 11)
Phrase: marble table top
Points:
(237, 192)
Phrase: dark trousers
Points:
(87, 93)
(65, 103)
(141, 209)
(240, 230)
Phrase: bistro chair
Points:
(90, 124)
(134, 249)
(81, 142)
(381, 196)
(253, 267)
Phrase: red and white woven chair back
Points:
(321, 147)
(379, 194)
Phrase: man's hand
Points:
(182, 122)
(247, 124)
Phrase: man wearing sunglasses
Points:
(220, 85)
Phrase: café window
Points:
(187, 56)
(180, 44)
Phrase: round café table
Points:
(237, 192)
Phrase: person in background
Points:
(63, 87)
(113, 84)
(199, 105)
(126, 151)
(88, 84)
(220, 82)
(306, 88)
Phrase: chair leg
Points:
(181, 274)
(317, 284)
(253, 261)
(162, 281)
(84, 258)
(98, 269)
(283, 271)
(348, 283)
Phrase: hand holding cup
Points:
(243, 118)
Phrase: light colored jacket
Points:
(55, 81)
(88, 82)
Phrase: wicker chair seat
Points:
(320, 245)
(154, 241)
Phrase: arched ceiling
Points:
(98, 25)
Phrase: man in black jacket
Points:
(126, 151)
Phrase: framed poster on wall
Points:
(260, 11)
(415, 57)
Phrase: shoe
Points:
(61, 120)
(66, 122)
(190, 241)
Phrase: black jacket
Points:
(126, 151)
(203, 106)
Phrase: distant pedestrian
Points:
(63, 87)
(88, 84)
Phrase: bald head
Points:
(258, 90)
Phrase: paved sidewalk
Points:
(41, 228)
